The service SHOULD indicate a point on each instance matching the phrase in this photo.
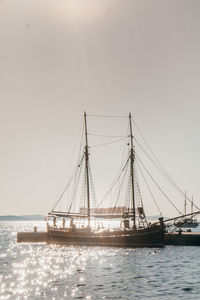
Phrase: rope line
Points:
(109, 143)
(148, 188)
(161, 166)
(113, 183)
(70, 181)
(80, 134)
(107, 116)
(75, 187)
(164, 172)
(109, 136)
(158, 185)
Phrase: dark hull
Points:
(150, 237)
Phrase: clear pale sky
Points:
(59, 58)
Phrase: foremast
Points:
(86, 153)
(132, 158)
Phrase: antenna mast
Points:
(87, 168)
(132, 158)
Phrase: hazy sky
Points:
(59, 58)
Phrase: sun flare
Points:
(76, 10)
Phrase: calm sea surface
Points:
(40, 271)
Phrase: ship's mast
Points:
(192, 205)
(132, 158)
(87, 168)
(185, 203)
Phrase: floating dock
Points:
(177, 238)
(183, 238)
(32, 237)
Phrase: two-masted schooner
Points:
(132, 233)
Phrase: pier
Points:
(32, 237)
(183, 238)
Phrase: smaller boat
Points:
(187, 222)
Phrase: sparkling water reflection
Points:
(40, 271)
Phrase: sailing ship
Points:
(135, 230)
(190, 221)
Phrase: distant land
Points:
(41, 218)
(22, 218)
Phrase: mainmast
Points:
(87, 168)
(132, 158)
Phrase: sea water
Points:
(41, 271)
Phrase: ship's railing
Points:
(65, 229)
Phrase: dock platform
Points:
(183, 238)
(32, 237)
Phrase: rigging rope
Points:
(157, 184)
(113, 183)
(128, 192)
(110, 136)
(107, 116)
(119, 191)
(165, 173)
(83, 192)
(149, 188)
(75, 187)
(70, 181)
(92, 186)
(118, 194)
(80, 133)
(109, 143)
(123, 165)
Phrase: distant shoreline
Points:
(22, 218)
(41, 218)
